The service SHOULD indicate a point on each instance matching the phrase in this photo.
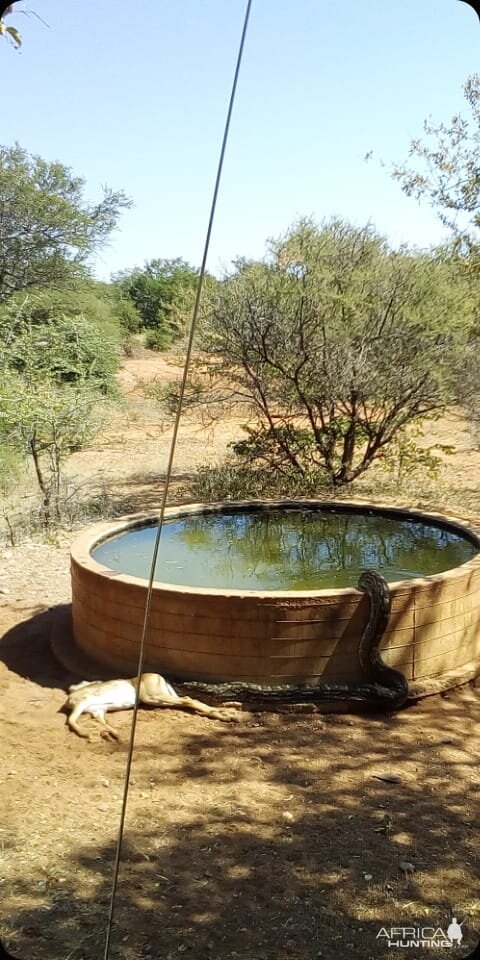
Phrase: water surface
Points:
(285, 549)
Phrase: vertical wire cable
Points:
(173, 442)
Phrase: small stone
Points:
(368, 877)
(287, 815)
(406, 866)
(104, 781)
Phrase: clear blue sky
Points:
(134, 94)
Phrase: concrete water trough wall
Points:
(276, 637)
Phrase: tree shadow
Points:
(138, 493)
(268, 841)
(279, 838)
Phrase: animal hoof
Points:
(109, 735)
(228, 717)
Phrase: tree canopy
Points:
(163, 293)
(334, 343)
(446, 171)
(49, 230)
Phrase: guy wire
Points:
(148, 602)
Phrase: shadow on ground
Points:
(41, 649)
(140, 493)
(25, 649)
(268, 842)
(277, 839)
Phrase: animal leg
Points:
(204, 709)
(73, 724)
(109, 730)
(196, 706)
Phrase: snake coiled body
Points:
(389, 683)
(383, 687)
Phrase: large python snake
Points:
(385, 687)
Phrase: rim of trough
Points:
(99, 532)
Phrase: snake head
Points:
(374, 584)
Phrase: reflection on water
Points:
(289, 549)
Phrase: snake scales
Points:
(385, 687)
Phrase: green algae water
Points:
(286, 549)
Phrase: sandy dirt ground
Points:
(280, 837)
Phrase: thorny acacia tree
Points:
(335, 343)
(444, 170)
(46, 422)
(48, 230)
(55, 373)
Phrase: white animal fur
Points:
(99, 697)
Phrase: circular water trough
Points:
(277, 637)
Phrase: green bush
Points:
(128, 316)
(48, 334)
(232, 480)
(158, 339)
(46, 421)
(11, 462)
